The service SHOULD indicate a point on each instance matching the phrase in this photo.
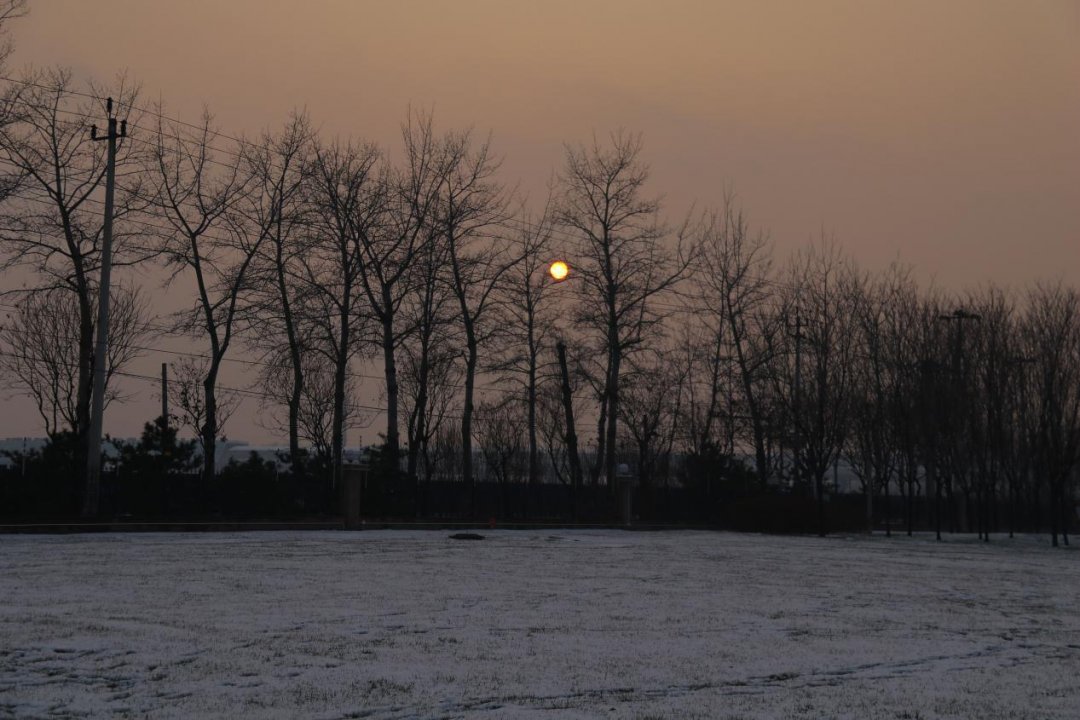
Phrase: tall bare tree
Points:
(275, 204)
(348, 195)
(469, 213)
(197, 190)
(430, 373)
(388, 249)
(881, 371)
(622, 263)
(734, 278)
(528, 324)
(1052, 329)
(816, 368)
(54, 225)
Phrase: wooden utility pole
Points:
(97, 409)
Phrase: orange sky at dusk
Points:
(944, 133)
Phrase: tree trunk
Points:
(571, 432)
(210, 425)
(1055, 513)
(419, 431)
(613, 416)
(337, 432)
(467, 412)
(888, 509)
(534, 460)
(761, 459)
(295, 360)
(932, 478)
(910, 498)
(1065, 508)
(820, 485)
(534, 466)
(868, 489)
(392, 447)
(294, 418)
(601, 436)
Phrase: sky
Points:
(941, 134)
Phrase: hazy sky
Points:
(945, 133)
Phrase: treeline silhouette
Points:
(729, 384)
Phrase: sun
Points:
(559, 270)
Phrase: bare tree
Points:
(278, 166)
(652, 410)
(994, 345)
(40, 352)
(55, 223)
(470, 209)
(500, 432)
(431, 368)
(388, 249)
(1016, 445)
(431, 376)
(187, 394)
(1052, 330)
(528, 323)
(551, 430)
(348, 195)
(197, 193)
(622, 264)
(816, 369)
(735, 289)
(881, 370)
(317, 409)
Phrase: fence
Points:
(246, 493)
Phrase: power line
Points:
(515, 222)
(144, 223)
(255, 363)
(246, 392)
(142, 110)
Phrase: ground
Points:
(559, 623)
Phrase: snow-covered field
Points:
(561, 624)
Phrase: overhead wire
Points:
(514, 222)
(518, 223)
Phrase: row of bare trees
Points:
(415, 278)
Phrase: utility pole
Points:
(97, 409)
(164, 396)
